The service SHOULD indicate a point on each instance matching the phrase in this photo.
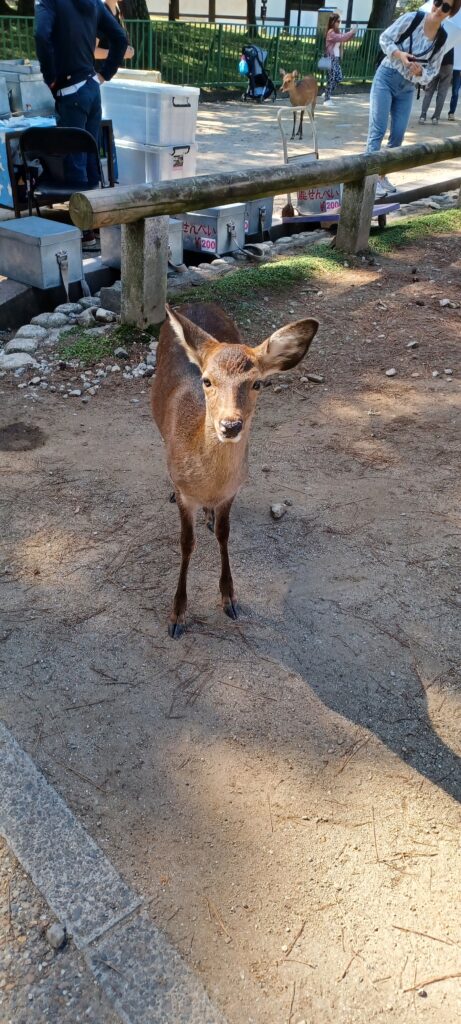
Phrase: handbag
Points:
(324, 63)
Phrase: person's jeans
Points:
(440, 84)
(391, 96)
(82, 109)
(455, 85)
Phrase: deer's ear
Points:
(282, 72)
(286, 347)
(196, 343)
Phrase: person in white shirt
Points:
(414, 47)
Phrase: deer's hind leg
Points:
(209, 518)
(226, 583)
(178, 614)
(294, 125)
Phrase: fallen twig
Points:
(294, 941)
(433, 981)
(412, 931)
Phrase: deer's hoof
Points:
(230, 609)
(172, 498)
(176, 629)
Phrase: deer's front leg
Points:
(294, 125)
(226, 584)
(300, 129)
(178, 615)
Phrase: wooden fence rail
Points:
(143, 210)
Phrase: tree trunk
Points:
(25, 8)
(173, 10)
(135, 9)
(382, 13)
(251, 12)
(211, 10)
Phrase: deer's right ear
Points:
(196, 343)
(282, 72)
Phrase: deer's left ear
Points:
(286, 347)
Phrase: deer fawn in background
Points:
(302, 93)
(203, 399)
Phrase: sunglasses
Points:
(446, 8)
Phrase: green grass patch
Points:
(257, 281)
(408, 230)
(91, 348)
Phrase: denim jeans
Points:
(455, 91)
(391, 95)
(81, 109)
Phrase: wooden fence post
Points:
(355, 217)
(144, 271)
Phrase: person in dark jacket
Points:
(102, 45)
(65, 38)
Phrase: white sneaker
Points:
(388, 185)
(328, 103)
(381, 189)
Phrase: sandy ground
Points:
(284, 790)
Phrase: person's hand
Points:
(101, 80)
(129, 53)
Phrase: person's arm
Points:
(45, 17)
(101, 54)
(388, 39)
(109, 28)
(340, 37)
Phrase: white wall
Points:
(191, 9)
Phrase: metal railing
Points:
(203, 54)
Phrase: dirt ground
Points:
(284, 790)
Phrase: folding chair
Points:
(50, 147)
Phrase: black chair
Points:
(50, 147)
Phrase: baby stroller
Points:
(260, 86)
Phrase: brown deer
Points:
(203, 399)
(302, 93)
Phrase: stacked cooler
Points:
(154, 129)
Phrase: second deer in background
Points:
(302, 93)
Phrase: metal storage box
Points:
(258, 215)
(149, 112)
(111, 244)
(219, 230)
(4, 101)
(28, 249)
(137, 163)
(27, 91)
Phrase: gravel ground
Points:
(37, 983)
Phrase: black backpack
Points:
(439, 41)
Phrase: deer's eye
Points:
(206, 382)
(257, 385)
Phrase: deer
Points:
(302, 93)
(204, 396)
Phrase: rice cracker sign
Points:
(326, 199)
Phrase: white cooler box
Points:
(4, 101)
(219, 230)
(111, 244)
(149, 112)
(28, 249)
(137, 163)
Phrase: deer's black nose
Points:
(230, 428)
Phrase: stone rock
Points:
(16, 360)
(74, 393)
(448, 304)
(151, 359)
(89, 302)
(31, 331)
(392, 372)
(86, 318)
(34, 382)
(56, 936)
(105, 316)
(21, 345)
(68, 307)
(315, 378)
(111, 298)
(50, 320)
(278, 510)
(121, 353)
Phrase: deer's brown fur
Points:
(203, 399)
(302, 92)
